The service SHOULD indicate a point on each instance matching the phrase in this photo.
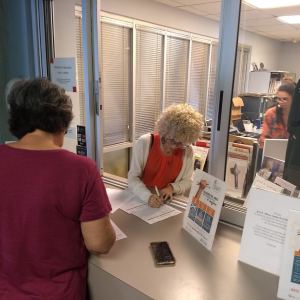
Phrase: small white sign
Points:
(289, 282)
(63, 73)
(264, 229)
(289, 187)
(204, 206)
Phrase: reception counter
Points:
(128, 271)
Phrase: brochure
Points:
(236, 171)
(289, 282)
(264, 229)
(203, 208)
(200, 156)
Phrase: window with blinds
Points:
(243, 69)
(79, 66)
(198, 76)
(240, 78)
(237, 72)
(116, 82)
(176, 70)
(149, 74)
(212, 80)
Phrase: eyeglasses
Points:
(281, 98)
(172, 142)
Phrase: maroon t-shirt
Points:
(44, 195)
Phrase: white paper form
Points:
(118, 198)
(264, 229)
(119, 233)
(134, 205)
(289, 283)
(153, 215)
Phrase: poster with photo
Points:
(289, 282)
(236, 171)
(200, 156)
(271, 168)
(204, 206)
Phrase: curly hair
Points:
(181, 123)
(38, 104)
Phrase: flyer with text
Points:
(204, 206)
(264, 229)
(289, 282)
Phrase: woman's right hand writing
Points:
(155, 201)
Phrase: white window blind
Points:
(198, 76)
(244, 70)
(79, 67)
(237, 72)
(212, 80)
(241, 70)
(176, 70)
(116, 82)
(149, 65)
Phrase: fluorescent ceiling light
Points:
(264, 4)
(290, 19)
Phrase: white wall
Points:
(290, 58)
(161, 14)
(263, 49)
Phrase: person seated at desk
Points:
(53, 206)
(165, 159)
(275, 120)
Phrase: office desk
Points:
(128, 271)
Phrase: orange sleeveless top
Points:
(160, 170)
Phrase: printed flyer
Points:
(265, 228)
(289, 282)
(204, 206)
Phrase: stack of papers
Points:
(131, 204)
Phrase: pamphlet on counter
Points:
(289, 282)
(204, 206)
(265, 228)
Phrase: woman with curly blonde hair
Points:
(164, 160)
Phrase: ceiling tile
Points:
(172, 3)
(213, 8)
(246, 7)
(260, 21)
(191, 9)
(195, 2)
(276, 28)
(284, 11)
(214, 17)
(254, 14)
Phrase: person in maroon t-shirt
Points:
(53, 204)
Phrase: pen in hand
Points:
(164, 200)
(157, 191)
